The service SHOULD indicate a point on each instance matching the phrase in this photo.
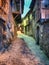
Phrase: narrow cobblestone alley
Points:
(24, 32)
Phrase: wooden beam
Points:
(16, 12)
(15, 17)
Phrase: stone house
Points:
(41, 24)
(8, 8)
(27, 23)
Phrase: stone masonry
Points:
(44, 39)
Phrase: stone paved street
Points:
(22, 53)
(18, 54)
(35, 49)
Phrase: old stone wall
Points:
(44, 38)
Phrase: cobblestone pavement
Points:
(35, 49)
(18, 54)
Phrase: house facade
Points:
(27, 24)
(41, 24)
(7, 20)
